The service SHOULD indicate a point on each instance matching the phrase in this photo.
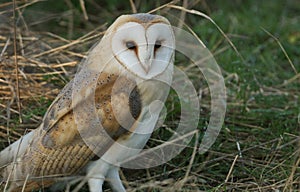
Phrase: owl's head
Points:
(144, 44)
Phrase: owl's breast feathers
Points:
(58, 149)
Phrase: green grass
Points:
(262, 105)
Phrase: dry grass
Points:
(257, 150)
(45, 61)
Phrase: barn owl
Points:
(104, 115)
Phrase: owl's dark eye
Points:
(131, 45)
(157, 44)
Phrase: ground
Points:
(257, 52)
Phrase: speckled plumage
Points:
(104, 103)
(58, 149)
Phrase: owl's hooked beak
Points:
(146, 57)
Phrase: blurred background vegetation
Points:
(258, 147)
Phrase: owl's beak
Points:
(145, 56)
(146, 65)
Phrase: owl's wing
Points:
(57, 148)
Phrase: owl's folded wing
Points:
(57, 147)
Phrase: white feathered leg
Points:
(114, 180)
(96, 174)
(96, 182)
(100, 170)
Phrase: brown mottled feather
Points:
(58, 149)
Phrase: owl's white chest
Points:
(130, 144)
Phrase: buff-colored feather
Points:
(108, 91)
